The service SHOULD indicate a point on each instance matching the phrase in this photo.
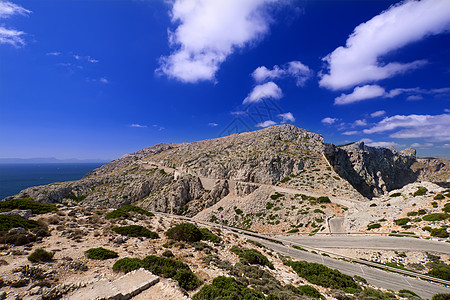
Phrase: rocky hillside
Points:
(247, 169)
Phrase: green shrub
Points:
(438, 197)
(441, 296)
(420, 191)
(395, 195)
(446, 207)
(123, 212)
(77, 199)
(238, 211)
(402, 221)
(254, 257)
(135, 231)
(285, 179)
(319, 211)
(322, 275)
(440, 271)
(276, 196)
(309, 291)
(187, 280)
(373, 226)
(226, 288)
(26, 203)
(427, 228)
(167, 253)
(100, 253)
(209, 236)
(434, 204)
(422, 212)
(40, 255)
(186, 232)
(161, 266)
(9, 222)
(269, 205)
(439, 232)
(293, 230)
(412, 213)
(436, 217)
(324, 199)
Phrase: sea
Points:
(16, 177)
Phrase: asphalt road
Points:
(370, 242)
(379, 278)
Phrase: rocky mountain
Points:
(188, 178)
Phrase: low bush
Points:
(9, 222)
(40, 255)
(395, 195)
(438, 197)
(446, 207)
(276, 196)
(324, 199)
(251, 256)
(293, 230)
(186, 232)
(26, 203)
(209, 236)
(17, 239)
(269, 205)
(226, 288)
(135, 231)
(439, 232)
(167, 253)
(420, 191)
(441, 271)
(402, 221)
(161, 266)
(319, 211)
(123, 212)
(436, 217)
(373, 226)
(441, 296)
(323, 276)
(100, 253)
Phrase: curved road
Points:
(371, 242)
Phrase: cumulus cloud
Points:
(264, 91)
(295, 69)
(208, 32)
(266, 124)
(329, 120)
(378, 113)
(213, 124)
(138, 126)
(360, 60)
(286, 117)
(433, 127)
(360, 94)
(360, 123)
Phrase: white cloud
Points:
(447, 110)
(383, 144)
(266, 123)
(414, 97)
(138, 126)
(208, 32)
(8, 9)
(352, 132)
(360, 94)
(434, 127)
(404, 23)
(378, 113)
(53, 53)
(418, 145)
(286, 117)
(213, 124)
(262, 91)
(329, 120)
(11, 37)
(295, 69)
(360, 123)
(103, 80)
(445, 146)
(158, 127)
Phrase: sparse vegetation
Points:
(373, 226)
(161, 266)
(402, 221)
(100, 253)
(436, 217)
(324, 199)
(395, 195)
(439, 232)
(135, 231)
(9, 222)
(26, 203)
(40, 255)
(226, 288)
(124, 212)
(438, 197)
(420, 191)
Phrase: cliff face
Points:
(189, 177)
(372, 171)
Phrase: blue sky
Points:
(99, 78)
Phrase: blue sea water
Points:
(16, 177)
